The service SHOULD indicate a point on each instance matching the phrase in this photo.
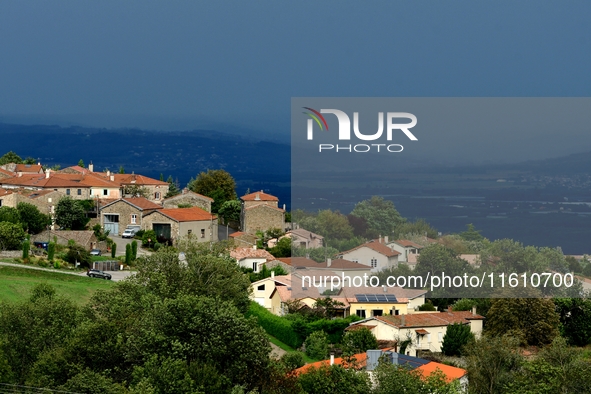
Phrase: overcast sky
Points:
(186, 64)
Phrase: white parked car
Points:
(129, 232)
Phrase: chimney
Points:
(284, 207)
(380, 239)
(91, 167)
(257, 197)
(402, 320)
(272, 274)
(47, 173)
(331, 358)
(385, 288)
(108, 173)
(112, 178)
(328, 262)
(386, 239)
(474, 309)
(254, 247)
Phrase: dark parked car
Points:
(95, 252)
(98, 274)
(41, 245)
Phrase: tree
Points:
(113, 250)
(134, 249)
(533, 320)
(575, 319)
(381, 216)
(492, 363)
(50, 251)
(26, 250)
(335, 379)
(136, 191)
(332, 225)
(573, 264)
(81, 163)
(396, 379)
(78, 254)
(427, 306)
(128, 254)
(456, 337)
(32, 219)
(217, 184)
(173, 187)
(471, 234)
(11, 236)
(230, 211)
(436, 258)
(10, 215)
(282, 249)
(70, 215)
(317, 345)
(359, 341)
(10, 157)
(149, 238)
(121, 170)
(293, 360)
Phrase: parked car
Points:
(41, 245)
(95, 252)
(98, 274)
(130, 232)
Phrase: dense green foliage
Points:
(50, 251)
(359, 341)
(78, 254)
(335, 379)
(32, 219)
(381, 216)
(26, 249)
(217, 184)
(316, 345)
(11, 236)
(70, 214)
(456, 337)
(10, 215)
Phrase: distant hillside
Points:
(255, 164)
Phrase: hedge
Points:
(294, 332)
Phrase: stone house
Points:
(188, 198)
(86, 238)
(44, 200)
(119, 214)
(6, 174)
(251, 258)
(242, 239)
(405, 247)
(156, 189)
(172, 224)
(260, 212)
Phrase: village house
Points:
(86, 238)
(426, 330)
(251, 258)
(336, 266)
(172, 224)
(301, 238)
(260, 212)
(117, 215)
(374, 254)
(242, 239)
(20, 169)
(155, 189)
(188, 199)
(405, 247)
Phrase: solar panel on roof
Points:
(375, 298)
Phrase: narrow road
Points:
(116, 275)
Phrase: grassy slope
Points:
(16, 284)
(289, 349)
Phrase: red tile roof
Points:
(189, 193)
(375, 245)
(7, 173)
(236, 234)
(263, 205)
(435, 319)
(244, 253)
(134, 179)
(4, 192)
(408, 244)
(193, 214)
(451, 373)
(259, 196)
(335, 264)
(59, 180)
(360, 358)
(32, 168)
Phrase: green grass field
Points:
(288, 348)
(16, 284)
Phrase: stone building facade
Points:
(119, 214)
(260, 212)
(176, 223)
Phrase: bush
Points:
(456, 337)
(134, 250)
(293, 360)
(50, 251)
(139, 234)
(275, 325)
(77, 253)
(26, 249)
(56, 265)
(113, 250)
(157, 245)
(359, 341)
(43, 263)
(11, 236)
(427, 306)
(149, 238)
(317, 345)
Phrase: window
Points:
(157, 196)
(361, 312)
(255, 266)
(374, 263)
(377, 312)
(79, 192)
(134, 219)
(0, 203)
(189, 232)
(261, 288)
(67, 192)
(440, 337)
(105, 192)
(202, 233)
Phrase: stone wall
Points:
(262, 218)
(158, 218)
(124, 210)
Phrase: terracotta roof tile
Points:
(435, 319)
(32, 168)
(374, 245)
(143, 203)
(244, 253)
(7, 173)
(451, 373)
(193, 214)
(335, 264)
(259, 196)
(4, 192)
(264, 205)
(188, 193)
(361, 361)
(135, 179)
